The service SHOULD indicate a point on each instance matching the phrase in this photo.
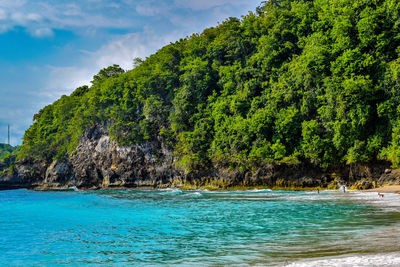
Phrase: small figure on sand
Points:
(344, 189)
(380, 195)
(318, 190)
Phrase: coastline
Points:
(385, 189)
(384, 259)
(177, 187)
(361, 248)
(382, 189)
(379, 247)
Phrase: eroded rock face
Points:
(59, 174)
(26, 174)
(390, 177)
(100, 162)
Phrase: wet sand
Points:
(386, 189)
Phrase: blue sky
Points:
(50, 47)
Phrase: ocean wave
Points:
(255, 190)
(192, 194)
(173, 191)
(390, 201)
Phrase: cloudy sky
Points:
(50, 47)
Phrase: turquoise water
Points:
(172, 227)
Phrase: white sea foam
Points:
(390, 201)
(192, 194)
(166, 189)
(255, 190)
(171, 191)
(388, 259)
(385, 239)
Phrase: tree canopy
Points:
(297, 81)
(7, 150)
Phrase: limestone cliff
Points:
(100, 163)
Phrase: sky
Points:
(50, 47)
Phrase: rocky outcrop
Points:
(59, 174)
(390, 177)
(25, 173)
(100, 163)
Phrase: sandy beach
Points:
(386, 189)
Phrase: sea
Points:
(198, 228)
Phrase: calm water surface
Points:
(172, 227)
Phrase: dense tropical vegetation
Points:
(296, 81)
(6, 150)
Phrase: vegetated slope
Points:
(7, 159)
(296, 81)
(6, 150)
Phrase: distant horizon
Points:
(51, 49)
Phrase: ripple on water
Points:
(253, 227)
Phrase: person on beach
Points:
(318, 190)
(344, 189)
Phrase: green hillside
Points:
(6, 149)
(296, 81)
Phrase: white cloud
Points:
(76, 18)
(12, 3)
(18, 116)
(121, 51)
(164, 24)
(63, 80)
(41, 17)
(42, 32)
(205, 4)
(79, 15)
(152, 8)
(3, 15)
(33, 17)
(25, 19)
(72, 10)
(124, 49)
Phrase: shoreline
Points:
(365, 241)
(382, 189)
(385, 189)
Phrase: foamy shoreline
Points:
(385, 241)
(384, 259)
